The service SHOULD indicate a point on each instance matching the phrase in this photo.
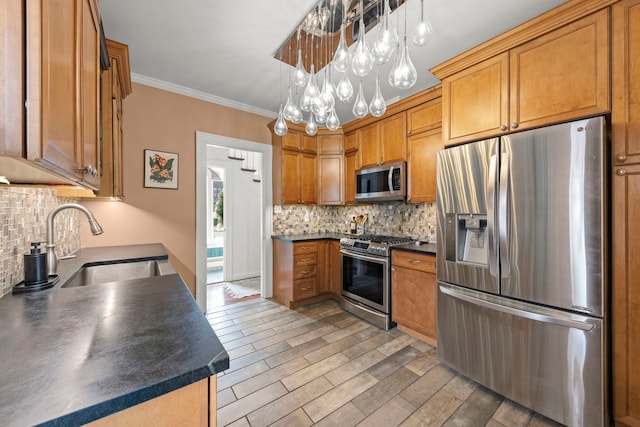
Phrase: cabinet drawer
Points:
(305, 248)
(305, 271)
(305, 259)
(415, 261)
(304, 288)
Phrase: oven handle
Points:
(379, 260)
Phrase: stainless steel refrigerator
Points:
(522, 267)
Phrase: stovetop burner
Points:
(373, 243)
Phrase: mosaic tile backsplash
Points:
(23, 219)
(398, 219)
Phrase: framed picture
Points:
(160, 169)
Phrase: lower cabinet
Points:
(303, 270)
(192, 405)
(413, 294)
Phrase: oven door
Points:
(365, 279)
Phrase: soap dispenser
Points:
(35, 266)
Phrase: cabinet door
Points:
(290, 182)
(424, 117)
(330, 180)
(369, 143)
(626, 294)
(323, 266)
(330, 144)
(413, 300)
(625, 111)
(393, 138)
(90, 81)
(55, 135)
(350, 142)
(292, 140)
(309, 144)
(350, 161)
(307, 177)
(475, 102)
(562, 75)
(422, 165)
(11, 78)
(625, 213)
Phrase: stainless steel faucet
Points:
(52, 259)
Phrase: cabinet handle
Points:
(304, 248)
(409, 132)
(89, 170)
(621, 172)
(503, 128)
(514, 125)
(305, 272)
(621, 158)
(307, 288)
(414, 261)
(305, 259)
(393, 269)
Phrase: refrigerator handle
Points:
(569, 323)
(491, 216)
(505, 261)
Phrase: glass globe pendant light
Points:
(280, 128)
(333, 121)
(299, 74)
(342, 57)
(362, 60)
(344, 90)
(310, 92)
(377, 107)
(312, 127)
(360, 108)
(289, 106)
(424, 31)
(403, 75)
(386, 39)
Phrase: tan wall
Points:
(165, 121)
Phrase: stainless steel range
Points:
(366, 276)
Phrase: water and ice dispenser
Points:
(466, 239)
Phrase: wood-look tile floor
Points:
(319, 365)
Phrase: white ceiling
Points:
(222, 50)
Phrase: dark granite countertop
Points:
(428, 248)
(308, 237)
(73, 355)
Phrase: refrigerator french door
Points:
(521, 267)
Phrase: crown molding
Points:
(203, 96)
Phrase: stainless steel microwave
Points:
(381, 183)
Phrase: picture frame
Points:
(160, 169)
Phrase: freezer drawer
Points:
(545, 359)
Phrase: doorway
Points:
(260, 237)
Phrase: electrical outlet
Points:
(306, 216)
(277, 209)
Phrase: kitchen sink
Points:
(103, 273)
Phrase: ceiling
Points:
(222, 51)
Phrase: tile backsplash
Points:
(399, 219)
(23, 219)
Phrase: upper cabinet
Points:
(383, 141)
(625, 215)
(63, 41)
(115, 86)
(330, 164)
(294, 168)
(299, 141)
(558, 76)
(59, 43)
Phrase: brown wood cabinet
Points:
(383, 141)
(299, 141)
(193, 405)
(63, 75)
(116, 85)
(11, 78)
(424, 140)
(330, 163)
(350, 142)
(421, 176)
(625, 213)
(294, 172)
(413, 293)
(535, 83)
(350, 166)
(295, 271)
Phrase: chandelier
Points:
(323, 38)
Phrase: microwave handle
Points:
(390, 179)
